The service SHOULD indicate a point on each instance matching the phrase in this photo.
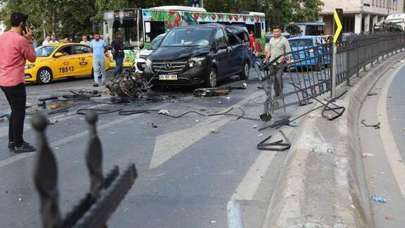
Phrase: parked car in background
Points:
(197, 55)
(60, 61)
(310, 52)
(140, 59)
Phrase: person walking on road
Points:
(16, 48)
(252, 42)
(118, 53)
(98, 48)
(278, 46)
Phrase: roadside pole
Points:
(334, 51)
(338, 16)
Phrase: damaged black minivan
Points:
(198, 55)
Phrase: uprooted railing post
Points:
(104, 196)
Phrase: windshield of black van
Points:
(188, 37)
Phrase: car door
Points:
(236, 53)
(65, 65)
(223, 54)
(83, 62)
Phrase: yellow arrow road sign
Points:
(337, 15)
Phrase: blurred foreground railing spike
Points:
(46, 176)
(94, 156)
(104, 196)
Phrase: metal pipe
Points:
(333, 90)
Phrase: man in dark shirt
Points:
(118, 53)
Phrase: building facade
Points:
(360, 16)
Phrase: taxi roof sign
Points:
(338, 16)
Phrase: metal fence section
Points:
(104, 196)
(306, 72)
(299, 75)
(355, 54)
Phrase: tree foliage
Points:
(62, 17)
(75, 17)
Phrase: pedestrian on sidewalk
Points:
(278, 46)
(99, 50)
(16, 48)
(118, 53)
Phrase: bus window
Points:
(314, 30)
(156, 28)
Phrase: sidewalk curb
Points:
(323, 182)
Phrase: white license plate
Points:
(168, 77)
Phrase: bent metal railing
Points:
(307, 70)
(104, 196)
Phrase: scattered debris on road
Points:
(367, 155)
(164, 112)
(378, 199)
(372, 94)
(375, 126)
(211, 92)
(278, 146)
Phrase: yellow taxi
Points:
(60, 61)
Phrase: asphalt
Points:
(194, 171)
(384, 148)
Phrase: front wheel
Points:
(44, 76)
(211, 80)
(244, 75)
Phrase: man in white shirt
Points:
(85, 40)
(46, 41)
(99, 49)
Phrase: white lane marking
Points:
(390, 146)
(253, 178)
(68, 139)
(234, 214)
(169, 145)
(251, 181)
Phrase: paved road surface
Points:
(190, 168)
(384, 148)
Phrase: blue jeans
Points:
(99, 71)
(119, 62)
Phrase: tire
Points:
(44, 76)
(244, 75)
(211, 80)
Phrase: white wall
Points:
(348, 6)
(355, 6)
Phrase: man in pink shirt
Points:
(16, 48)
